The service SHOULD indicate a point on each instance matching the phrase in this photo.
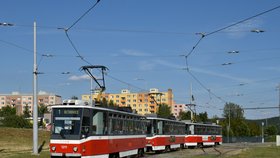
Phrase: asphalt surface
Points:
(221, 150)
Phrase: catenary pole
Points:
(35, 107)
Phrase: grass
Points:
(17, 143)
(260, 152)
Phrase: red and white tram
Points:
(198, 134)
(86, 131)
(164, 134)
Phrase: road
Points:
(222, 150)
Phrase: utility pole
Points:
(91, 91)
(35, 107)
(192, 104)
(228, 130)
(278, 88)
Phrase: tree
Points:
(10, 119)
(255, 129)
(184, 115)
(111, 103)
(164, 111)
(7, 111)
(74, 97)
(16, 122)
(104, 102)
(42, 109)
(202, 117)
(233, 111)
(234, 115)
(26, 112)
(271, 130)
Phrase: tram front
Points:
(70, 125)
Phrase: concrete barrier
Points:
(278, 140)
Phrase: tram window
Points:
(86, 123)
(159, 127)
(125, 127)
(110, 130)
(98, 123)
(150, 128)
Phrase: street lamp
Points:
(6, 24)
(233, 52)
(257, 30)
(262, 132)
(229, 63)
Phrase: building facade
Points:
(142, 102)
(20, 100)
(177, 108)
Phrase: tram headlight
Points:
(53, 148)
(75, 149)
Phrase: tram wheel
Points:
(114, 155)
(140, 153)
(167, 148)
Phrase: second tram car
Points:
(79, 130)
(198, 134)
(164, 134)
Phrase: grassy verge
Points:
(16, 142)
(260, 152)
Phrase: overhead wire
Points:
(82, 16)
(79, 54)
(203, 35)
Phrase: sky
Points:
(145, 44)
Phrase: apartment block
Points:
(142, 102)
(20, 100)
(177, 108)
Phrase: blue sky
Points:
(146, 39)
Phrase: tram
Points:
(198, 134)
(164, 134)
(80, 130)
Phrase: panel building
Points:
(20, 100)
(142, 102)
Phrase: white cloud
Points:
(136, 53)
(203, 71)
(147, 65)
(222, 75)
(77, 78)
(271, 68)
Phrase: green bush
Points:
(16, 122)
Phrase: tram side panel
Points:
(94, 132)
(164, 134)
(202, 135)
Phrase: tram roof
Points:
(163, 119)
(201, 124)
(96, 108)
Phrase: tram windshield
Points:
(66, 121)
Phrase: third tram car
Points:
(198, 134)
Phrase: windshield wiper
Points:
(62, 133)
